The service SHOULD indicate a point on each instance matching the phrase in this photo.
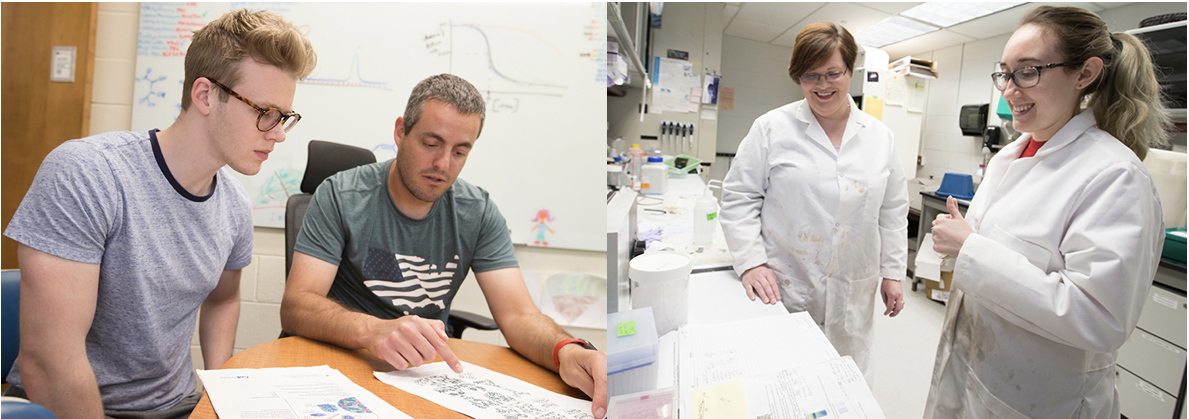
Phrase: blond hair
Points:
(1125, 97)
(217, 49)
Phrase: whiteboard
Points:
(541, 68)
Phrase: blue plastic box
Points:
(957, 185)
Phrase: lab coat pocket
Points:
(983, 404)
(850, 314)
(1036, 254)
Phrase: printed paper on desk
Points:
(833, 390)
(302, 393)
(484, 394)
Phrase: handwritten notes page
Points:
(713, 354)
(834, 390)
(722, 352)
(301, 393)
(481, 393)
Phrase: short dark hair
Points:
(449, 89)
(816, 43)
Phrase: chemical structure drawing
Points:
(147, 100)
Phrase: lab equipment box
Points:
(937, 272)
(632, 345)
(939, 290)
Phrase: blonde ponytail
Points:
(1127, 102)
(1125, 98)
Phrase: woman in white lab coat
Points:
(815, 205)
(1060, 244)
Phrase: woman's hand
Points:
(762, 282)
(893, 297)
(950, 230)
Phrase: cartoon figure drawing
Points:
(542, 216)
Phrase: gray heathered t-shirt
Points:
(398, 265)
(108, 199)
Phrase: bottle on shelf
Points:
(637, 163)
(617, 148)
(654, 177)
(706, 215)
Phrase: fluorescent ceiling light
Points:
(891, 30)
(949, 14)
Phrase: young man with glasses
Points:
(385, 247)
(125, 235)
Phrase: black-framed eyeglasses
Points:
(811, 78)
(269, 117)
(1023, 77)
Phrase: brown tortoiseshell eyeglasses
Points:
(269, 117)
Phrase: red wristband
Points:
(557, 349)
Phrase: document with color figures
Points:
(301, 393)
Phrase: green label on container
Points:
(627, 328)
(711, 216)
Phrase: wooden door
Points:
(37, 114)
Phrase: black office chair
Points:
(325, 159)
(10, 318)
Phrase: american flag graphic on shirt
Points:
(409, 282)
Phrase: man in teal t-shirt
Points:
(384, 248)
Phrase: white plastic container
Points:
(705, 218)
(1168, 173)
(661, 280)
(654, 178)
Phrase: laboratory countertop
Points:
(667, 220)
(359, 366)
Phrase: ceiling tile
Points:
(891, 7)
(752, 30)
(1006, 21)
(852, 16)
(924, 43)
(782, 15)
(728, 12)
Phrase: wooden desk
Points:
(358, 365)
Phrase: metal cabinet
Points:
(1151, 373)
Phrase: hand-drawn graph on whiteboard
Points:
(501, 60)
(353, 78)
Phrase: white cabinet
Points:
(1151, 365)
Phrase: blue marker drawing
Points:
(354, 78)
(147, 99)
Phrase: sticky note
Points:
(627, 328)
(724, 401)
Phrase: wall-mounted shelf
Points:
(628, 46)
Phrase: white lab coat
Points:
(1052, 282)
(828, 223)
